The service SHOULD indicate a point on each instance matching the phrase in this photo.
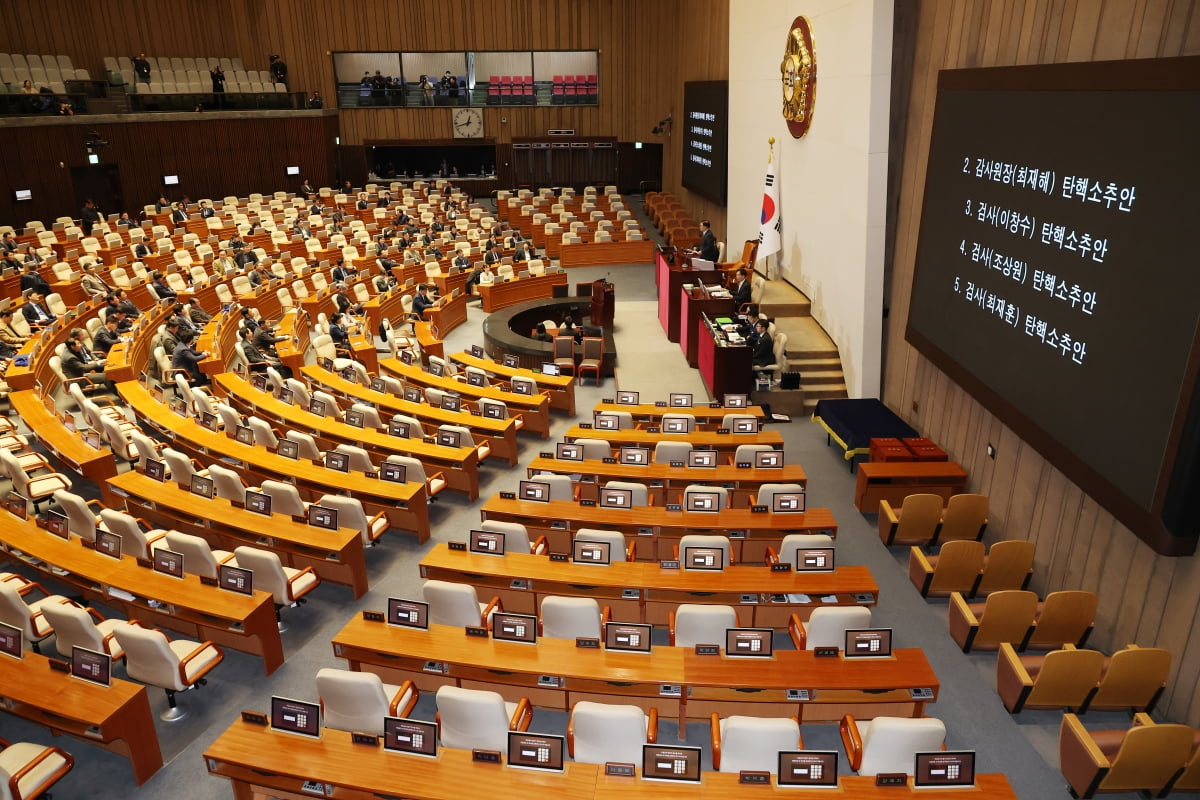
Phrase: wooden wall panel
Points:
(1145, 598)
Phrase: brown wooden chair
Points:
(1008, 565)
(1145, 758)
(1004, 617)
(1132, 678)
(592, 357)
(956, 568)
(915, 523)
(1064, 617)
(965, 517)
(1064, 678)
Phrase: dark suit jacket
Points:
(708, 246)
(105, 339)
(741, 293)
(764, 351)
(31, 313)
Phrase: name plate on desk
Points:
(58, 666)
(372, 616)
(508, 495)
(759, 509)
(619, 770)
(587, 503)
(587, 426)
(754, 777)
(457, 546)
(653, 429)
(660, 403)
(476, 630)
(254, 718)
(207, 581)
(782, 566)
(587, 643)
(545, 454)
(609, 400)
(744, 465)
(486, 756)
(891, 779)
(366, 739)
(668, 564)
(677, 464)
(608, 460)
(825, 652)
(559, 557)
(708, 649)
(674, 507)
(722, 430)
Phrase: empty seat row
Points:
(1155, 759)
(921, 519)
(962, 566)
(1017, 617)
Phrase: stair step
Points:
(822, 392)
(821, 378)
(817, 364)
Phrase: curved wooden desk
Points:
(501, 432)
(597, 254)
(710, 683)
(509, 293)
(240, 622)
(448, 314)
(337, 556)
(663, 479)
(404, 503)
(460, 464)
(639, 591)
(558, 519)
(116, 717)
(705, 413)
(560, 388)
(535, 410)
(700, 440)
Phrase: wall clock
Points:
(468, 123)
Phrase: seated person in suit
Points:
(265, 338)
(541, 335)
(92, 283)
(342, 272)
(206, 211)
(493, 255)
(179, 214)
(188, 358)
(258, 360)
(764, 348)
(741, 287)
(338, 331)
(343, 303)
(32, 280)
(462, 261)
(10, 340)
(107, 336)
(35, 311)
(74, 366)
(159, 284)
(421, 301)
(524, 253)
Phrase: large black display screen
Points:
(1057, 276)
(705, 132)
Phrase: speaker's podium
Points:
(603, 303)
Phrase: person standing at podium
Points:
(708, 243)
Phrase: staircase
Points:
(810, 351)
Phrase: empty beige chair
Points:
(285, 499)
(618, 550)
(599, 732)
(752, 743)
(457, 604)
(498, 409)
(198, 557)
(1132, 678)
(1008, 565)
(1060, 679)
(705, 542)
(414, 471)
(227, 483)
(827, 626)
(36, 489)
(744, 454)
(180, 467)
(1064, 617)
(29, 617)
(76, 626)
(137, 538)
(174, 666)
(965, 517)
(28, 770)
(358, 701)
(956, 568)
(81, 521)
(916, 523)
(306, 445)
(1005, 616)
(1146, 758)
(794, 542)
(667, 451)
(561, 486)
(470, 719)
(889, 744)
(351, 515)
(691, 624)
(594, 449)
(573, 617)
(722, 495)
(516, 537)
(288, 586)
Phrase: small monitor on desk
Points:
(208, 420)
(259, 381)
(616, 498)
(748, 642)
(487, 542)
(510, 361)
(11, 641)
(108, 543)
(323, 517)
(674, 425)
(296, 716)
(201, 486)
(339, 462)
(534, 490)
(493, 411)
(410, 736)
(869, 643)
(815, 769)
(406, 357)
(703, 501)
(355, 418)
(451, 402)
(550, 369)
(702, 458)
(788, 502)
(768, 459)
(584, 552)
(568, 452)
(627, 398)
(258, 502)
(664, 763)
(17, 505)
(476, 379)
(447, 438)
(535, 751)
(398, 428)
(412, 394)
(377, 385)
(944, 768)
(235, 579)
(393, 473)
(285, 395)
(745, 426)
(436, 369)
(168, 562)
(58, 524)
(91, 666)
(814, 559)
(155, 469)
(679, 400)
(408, 613)
(288, 449)
(316, 406)
(606, 422)
(628, 637)
(244, 434)
(522, 387)
(476, 351)
(736, 401)
(709, 558)
(514, 627)
(635, 456)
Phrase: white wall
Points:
(833, 181)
